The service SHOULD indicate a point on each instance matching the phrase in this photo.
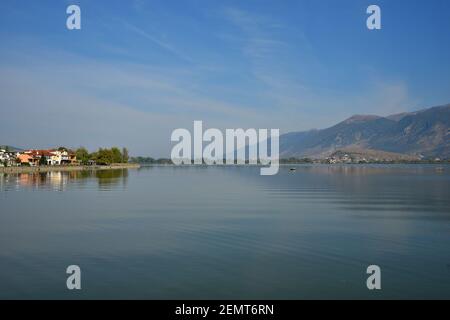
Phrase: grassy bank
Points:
(67, 168)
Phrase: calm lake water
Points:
(227, 232)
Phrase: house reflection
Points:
(59, 180)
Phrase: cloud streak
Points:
(162, 44)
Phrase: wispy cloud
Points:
(258, 33)
(154, 39)
(288, 85)
(263, 44)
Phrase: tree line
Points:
(102, 156)
(150, 160)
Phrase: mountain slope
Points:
(10, 148)
(425, 132)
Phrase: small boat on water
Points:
(292, 169)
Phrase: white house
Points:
(8, 158)
(54, 158)
(58, 157)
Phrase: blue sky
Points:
(139, 69)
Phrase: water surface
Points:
(227, 233)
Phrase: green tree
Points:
(125, 156)
(108, 156)
(43, 161)
(116, 155)
(82, 155)
(101, 157)
(104, 156)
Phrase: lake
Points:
(166, 232)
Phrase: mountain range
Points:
(420, 134)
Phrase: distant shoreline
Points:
(119, 166)
(68, 168)
(287, 162)
(144, 165)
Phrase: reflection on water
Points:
(227, 232)
(58, 180)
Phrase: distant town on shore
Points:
(61, 156)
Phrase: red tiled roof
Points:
(35, 153)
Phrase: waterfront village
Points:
(34, 158)
(61, 157)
